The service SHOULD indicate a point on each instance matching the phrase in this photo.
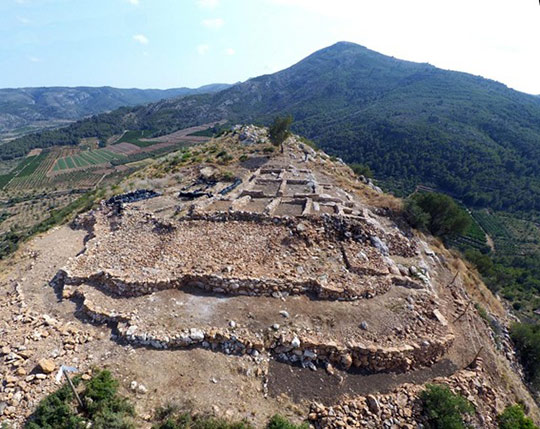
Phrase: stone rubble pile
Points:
(25, 373)
(402, 407)
(250, 134)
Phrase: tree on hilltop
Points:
(280, 130)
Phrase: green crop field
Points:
(85, 159)
(25, 168)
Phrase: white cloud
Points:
(208, 4)
(141, 38)
(230, 51)
(203, 49)
(133, 2)
(33, 59)
(23, 20)
(213, 24)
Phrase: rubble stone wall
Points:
(222, 285)
(286, 348)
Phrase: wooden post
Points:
(73, 389)
(471, 365)
(464, 311)
(453, 280)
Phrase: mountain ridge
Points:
(410, 122)
(42, 107)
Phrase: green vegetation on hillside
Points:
(9, 241)
(513, 417)
(134, 137)
(526, 338)
(104, 409)
(437, 213)
(444, 409)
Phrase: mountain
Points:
(24, 109)
(411, 123)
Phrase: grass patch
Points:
(171, 417)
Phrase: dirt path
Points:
(490, 243)
(304, 384)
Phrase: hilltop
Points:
(240, 280)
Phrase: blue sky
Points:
(173, 43)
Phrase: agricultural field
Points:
(524, 232)
(20, 213)
(474, 238)
(134, 137)
(85, 159)
(496, 228)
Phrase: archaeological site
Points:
(242, 280)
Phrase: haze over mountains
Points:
(411, 123)
(25, 109)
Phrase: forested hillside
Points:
(24, 109)
(411, 123)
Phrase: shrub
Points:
(415, 216)
(104, 408)
(439, 213)
(56, 411)
(361, 169)
(444, 409)
(526, 339)
(513, 417)
(101, 398)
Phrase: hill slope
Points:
(24, 109)
(411, 123)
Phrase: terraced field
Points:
(85, 159)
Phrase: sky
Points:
(177, 43)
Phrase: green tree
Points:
(361, 169)
(446, 218)
(414, 214)
(280, 129)
(527, 341)
(444, 409)
(513, 417)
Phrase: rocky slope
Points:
(250, 282)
